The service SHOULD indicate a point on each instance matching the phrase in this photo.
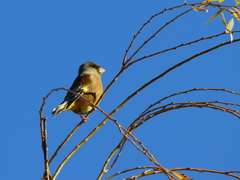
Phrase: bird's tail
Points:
(59, 109)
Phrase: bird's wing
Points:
(81, 85)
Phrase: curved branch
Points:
(148, 83)
(154, 35)
(228, 173)
(181, 45)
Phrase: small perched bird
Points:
(88, 83)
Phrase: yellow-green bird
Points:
(88, 83)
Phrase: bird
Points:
(88, 83)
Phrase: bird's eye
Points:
(95, 66)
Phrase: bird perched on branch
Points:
(88, 83)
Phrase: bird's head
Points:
(91, 68)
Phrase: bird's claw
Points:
(94, 108)
(84, 119)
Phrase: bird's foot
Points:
(94, 108)
(84, 119)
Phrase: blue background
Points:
(44, 42)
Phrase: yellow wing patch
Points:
(82, 91)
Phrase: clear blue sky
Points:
(44, 42)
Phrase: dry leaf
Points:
(237, 2)
(200, 9)
(181, 176)
(223, 19)
(214, 16)
(229, 26)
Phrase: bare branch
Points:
(154, 35)
(150, 82)
(181, 45)
(228, 173)
(123, 131)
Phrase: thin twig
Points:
(154, 35)
(184, 169)
(178, 46)
(43, 132)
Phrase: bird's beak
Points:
(101, 70)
